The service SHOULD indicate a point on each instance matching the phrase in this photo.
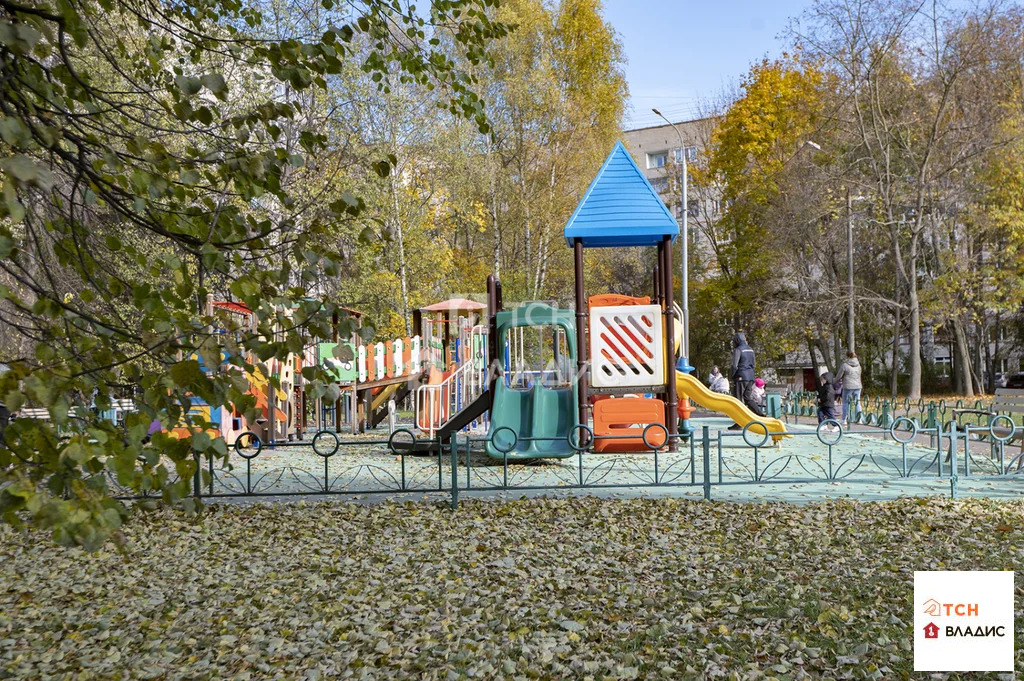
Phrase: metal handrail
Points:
(440, 400)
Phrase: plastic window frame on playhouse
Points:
(567, 375)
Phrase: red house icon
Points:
(931, 630)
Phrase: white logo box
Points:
(963, 621)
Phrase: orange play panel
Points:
(615, 300)
(626, 418)
(433, 411)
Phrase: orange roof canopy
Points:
(237, 308)
(455, 305)
(242, 308)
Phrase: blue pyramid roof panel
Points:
(620, 208)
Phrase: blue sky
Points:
(685, 50)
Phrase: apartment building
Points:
(660, 153)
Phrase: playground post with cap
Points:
(581, 325)
(671, 419)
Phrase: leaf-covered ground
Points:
(576, 588)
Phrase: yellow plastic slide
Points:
(689, 387)
(380, 398)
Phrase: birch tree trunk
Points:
(914, 305)
(963, 364)
(894, 370)
(978, 365)
(400, 242)
(528, 227)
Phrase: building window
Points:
(657, 160)
(660, 184)
(942, 365)
(691, 155)
(692, 208)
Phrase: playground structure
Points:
(627, 344)
(440, 366)
(372, 377)
(535, 391)
(628, 349)
(634, 381)
(532, 376)
(615, 355)
(456, 361)
(632, 340)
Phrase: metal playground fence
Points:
(705, 460)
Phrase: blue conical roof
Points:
(620, 208)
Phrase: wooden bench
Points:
(39, 413)
(1006, 402)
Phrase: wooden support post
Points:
(446, 353)
(337, 403)
(581, 333)
(671, 417)
(271, 402)
(493, 307)
(367, 412)
(659, 298)
(353, 410)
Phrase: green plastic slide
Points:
(542, 416)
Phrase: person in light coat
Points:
(849, 373)
(717, 382)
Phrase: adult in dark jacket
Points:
(742, 373)
(826, 397)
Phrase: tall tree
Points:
(760, 240)
(558, 94)
(905, 71)
(145, 159)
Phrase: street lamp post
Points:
(850, 310)
(685, 293)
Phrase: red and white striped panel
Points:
(626, 346)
